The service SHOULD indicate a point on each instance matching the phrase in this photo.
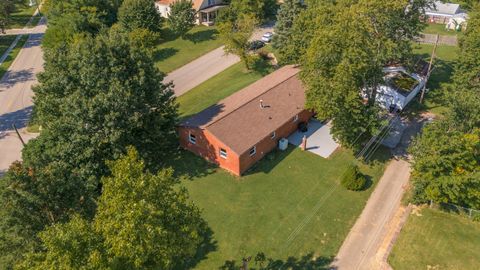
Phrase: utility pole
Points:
(429, 69)
(18, 134)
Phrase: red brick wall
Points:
(266, 145)
(208, 146)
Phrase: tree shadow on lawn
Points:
(201, 36)
(189, 166)
(309, 262)
(163, 54)
(270, 161)
(442, 73)
(208, 245)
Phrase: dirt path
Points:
(362, 243)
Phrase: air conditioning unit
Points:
(283, 144)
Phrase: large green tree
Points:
(289, 11)
(7, 7)
(138, 14)
(354, 40)
(446, 156)
(95, 97)
(143, 221)
(236, 35)
(182, 17)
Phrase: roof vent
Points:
(261, 104)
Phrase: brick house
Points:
(240, 130)
(207, 10)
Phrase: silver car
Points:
(267, 37)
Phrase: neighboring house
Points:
(399, 89)
(442, 12)
(240, 130)
(207, 10)
(458, 22)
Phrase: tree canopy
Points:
(138, 14)
(142, 222)
(344, 55)
(182, 17)
(446, 156)
(95, 97)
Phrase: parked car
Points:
(256, 44)
(267, 37)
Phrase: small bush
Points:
(353, 179)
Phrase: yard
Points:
(5, 42)
(217, 88)
(442, 72)
(437, 240)
(22, 16)
(174, 52)
(289, 205)
(435, 28)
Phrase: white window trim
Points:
(273, 135)
(192, 138)
(223, 153)
(295, 118)
(254, 151)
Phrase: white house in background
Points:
(457, 22)
(442, 12)
(399, 89)
(207, 10)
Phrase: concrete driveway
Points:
(200, 70)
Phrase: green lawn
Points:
(290, 204)
(21, 17)
(13, 54)
(439, 29)
(174, 52)
(5, 42)
(443, 69)
(437, 239)
(217, 88)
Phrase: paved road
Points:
(205, 67)
(16, 96)
(362, 243)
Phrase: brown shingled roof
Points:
(240, 122)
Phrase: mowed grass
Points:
(12, 55)
(5, 42)
(443, 66)
(435, 28)
(174, 52)
(217, 88)
(288, 205)
(437, 240)
(21, 17)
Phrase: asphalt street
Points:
(16, 96)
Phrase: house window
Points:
(192, 138)
(253, 151)
(273, 135)
(223, 153)
(295, 118)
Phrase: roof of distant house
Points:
(444, 8)
(196, 3)
(243, 119)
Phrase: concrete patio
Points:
(319, 139)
